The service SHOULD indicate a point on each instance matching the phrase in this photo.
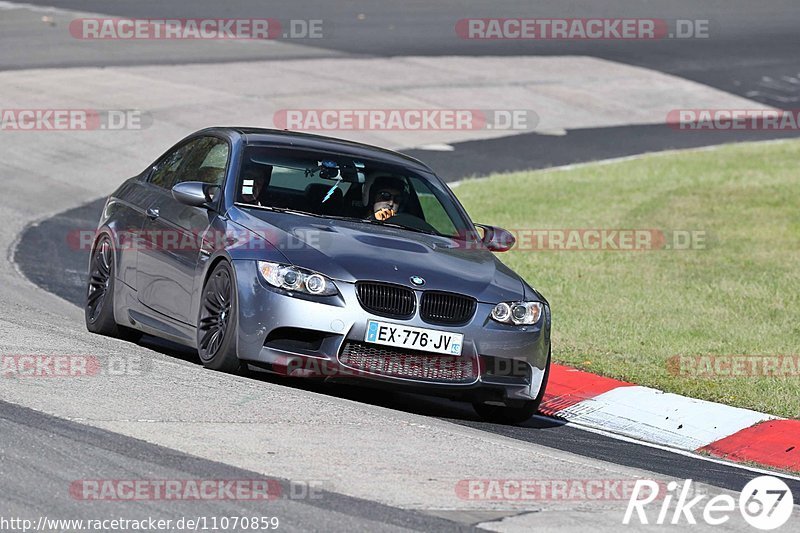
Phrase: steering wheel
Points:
(411, 221)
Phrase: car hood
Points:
(351, 251)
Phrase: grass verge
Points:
(734, 293)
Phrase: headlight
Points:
(292, 278)
(517, 313)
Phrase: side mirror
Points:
(194, 193)
(496, 239)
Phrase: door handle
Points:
(153, 213)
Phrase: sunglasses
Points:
(385, 196)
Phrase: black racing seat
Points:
(315, 194)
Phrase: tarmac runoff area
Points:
(399, 459)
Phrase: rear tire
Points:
(217, 324)
(99, 307)
(504, 414)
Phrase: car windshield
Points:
(330, 185)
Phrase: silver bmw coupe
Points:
(316, 257)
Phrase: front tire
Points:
(99, 308)
(217, 324)
(504, 414)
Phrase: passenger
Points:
(254, 183)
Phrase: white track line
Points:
(685, 453)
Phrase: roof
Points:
(320, 142)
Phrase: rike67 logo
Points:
(765, 503)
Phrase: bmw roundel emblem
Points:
(418, 281)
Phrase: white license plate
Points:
(426, 340)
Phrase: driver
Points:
(387, 195)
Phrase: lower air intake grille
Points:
(408, 364)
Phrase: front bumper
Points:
(306, 338)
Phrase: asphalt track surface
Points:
(751, 51)
(42, 258)
(29, 435)
(748, 41)
(753, 43)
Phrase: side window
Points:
(166, 169)
(432, 208)
(206, 162)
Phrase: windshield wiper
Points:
(389, 224)
(277, 209)
(336, 217)
(298, 212)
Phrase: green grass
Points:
(625, 313)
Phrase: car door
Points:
(173, 231)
